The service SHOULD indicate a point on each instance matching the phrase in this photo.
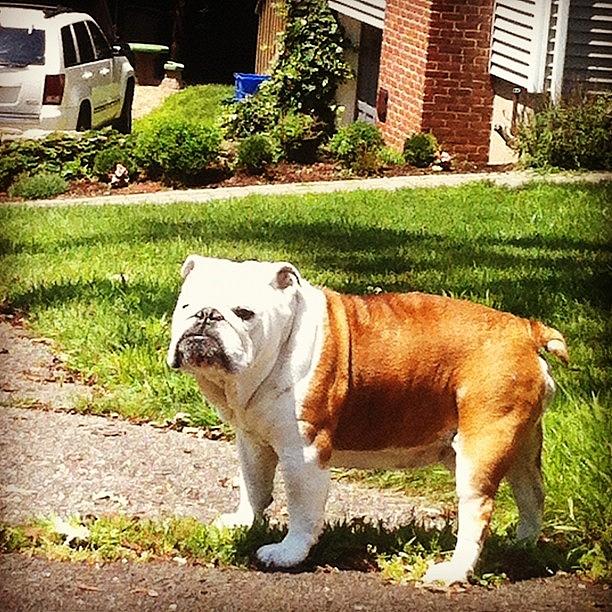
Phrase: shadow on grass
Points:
(358, 544)
(366, 252)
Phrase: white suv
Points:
(58, 72)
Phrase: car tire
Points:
(84, 118)
(123, 123)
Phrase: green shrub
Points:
(420, 149)
(69, 155)
(37, 186)
(391, 157)
(357, 146)
(106, 161)
(299, 136)
(175, 149)
(572, 134)
(255, 153)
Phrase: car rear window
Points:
(22, 46)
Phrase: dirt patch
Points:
(38, 584)
(280, 173)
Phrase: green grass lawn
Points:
(102, 282)
(202, 104)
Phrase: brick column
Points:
(458, 95)
(402, 67)
(434, 64)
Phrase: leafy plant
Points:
(69, 155)
(357, 146)
(106, 161)
(420, 149)
(37, 186)
(254, 153)
(175, 149)
(571, 134)
(309, 68)
(391, 157)
(299, 136)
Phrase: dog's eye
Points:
(243, 313)
(184, 306)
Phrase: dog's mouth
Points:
(197, 350)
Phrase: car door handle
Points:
(104, 71)
(87, 75)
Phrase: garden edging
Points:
(511, 179)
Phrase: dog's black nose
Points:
(208, 315)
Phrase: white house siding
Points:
(588, 52)
(519, 42)
(371, 12)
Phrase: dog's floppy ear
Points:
(188, 265)
(286, 276)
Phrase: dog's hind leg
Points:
(525, 478)
(484, 450)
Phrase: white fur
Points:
(549, 383)
(471, 528)
(392, 458)
(281, 348)
(278, 351)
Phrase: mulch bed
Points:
(281, 173)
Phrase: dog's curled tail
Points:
(550, 340)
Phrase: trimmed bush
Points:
(176, 150)
(420, 149)
(572, 134)
(106, 161)
(69, 155)
(37, 186)
(254, 153)
(357, 145)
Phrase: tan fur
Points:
(402, 370)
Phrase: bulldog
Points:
(310, 379)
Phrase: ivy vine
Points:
(305, 76)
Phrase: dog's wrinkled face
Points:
(227, 312)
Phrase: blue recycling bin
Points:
(247, 84)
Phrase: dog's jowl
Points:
(312, 379)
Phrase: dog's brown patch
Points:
(403, 370)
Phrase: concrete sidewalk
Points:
(202, 196)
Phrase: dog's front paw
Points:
(446, 573)
(232, 520)
(288, 553)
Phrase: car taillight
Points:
(54, 89)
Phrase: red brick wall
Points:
(402, 67)
(458, 91)
(434, 63)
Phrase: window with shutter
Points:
(519, 42)
(371, 12)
